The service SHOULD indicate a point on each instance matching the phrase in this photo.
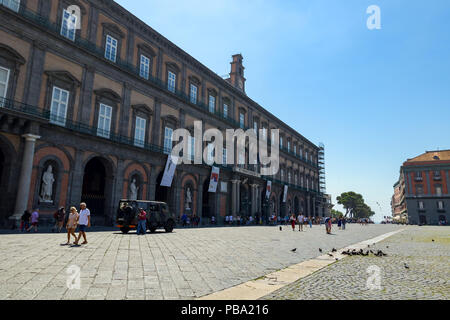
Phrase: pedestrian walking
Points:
(301, 220)
(329, 225)
(71, 225)
(25, 221)
(343, 223)
(59, 216)
(310, 222)
(184, 219)
(142, 219)
(293, 219)
(84, 222)
(34, 220)
(339, 223)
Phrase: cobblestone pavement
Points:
(428, 276)
(185, 264)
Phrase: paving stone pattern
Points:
(428, 275)
(185, 264)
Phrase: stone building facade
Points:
(426, 188)
(86, 113)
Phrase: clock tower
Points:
(237, 72)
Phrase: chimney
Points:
(237, 73)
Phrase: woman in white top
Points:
(72, 223)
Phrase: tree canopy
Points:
(354, 205)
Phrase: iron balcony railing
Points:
(99, 52)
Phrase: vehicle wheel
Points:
(124, 229)
(169, 226)
(152, 230)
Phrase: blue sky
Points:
(373, 97)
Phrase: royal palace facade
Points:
(87, 114)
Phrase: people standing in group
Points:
(34, 220)
(25, 221)
(142, 222)
(71, 225)
(293, 220)
(84, 222)
(301, 220)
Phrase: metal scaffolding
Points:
(322, 184)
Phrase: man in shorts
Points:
(84, 221)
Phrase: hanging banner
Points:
(285, 193)
(268, 189)
(214, 179)
(171, 165)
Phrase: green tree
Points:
(354, 205)
(336, 213)
(350, 201)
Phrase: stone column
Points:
(253, 197)
(23, 190)
(200, 196)
(235, 197)
(314, 206)
(308, 206)
(77, 178)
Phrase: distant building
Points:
(398, 202)
(426, 188)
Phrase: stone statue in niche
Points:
(47, 186)
(133, 190)
(188, 198)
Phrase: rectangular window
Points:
(168, 133)
(421, 205)
(264, 133)
(139, 132)
(295, 150)
(438, 190)
(419, 189)
(224, 157)
(171, 81)
(12, 4)
(145, 67)
(193, 95)
(68, 25)
(306, 155)
(301, 153)
(272, 137)
(242, 120)
(212, 104)
(210, 154)
(289, 146)
(104, 121)
(255, 127)
(281, 142)
(58, 108)
(225, 110)
(4, 79)
(289, 177)
(191, 148)
(440, 205)
(111, 48)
